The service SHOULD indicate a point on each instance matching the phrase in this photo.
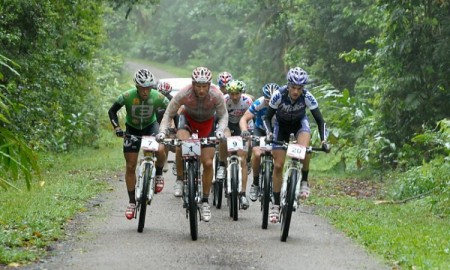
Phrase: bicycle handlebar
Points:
(284, 144)
(203, 141)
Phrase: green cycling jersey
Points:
(141, 113)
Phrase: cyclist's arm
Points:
(243, 122)
(267, 119)
(169, 114)
(112, 113)
(320, 122)
(222, 114)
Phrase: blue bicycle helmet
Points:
(297, 76)
(269, 88)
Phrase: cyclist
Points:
(237, 104)
(165, 88)
(289, 105)
(141, 104)
(222, 80)
(201, 101)
(256, 111)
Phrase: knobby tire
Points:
(193, 207)
(143, 199)
(218, 185)
(218, 189)
(265, 200)
(234, 191)
(286, 212)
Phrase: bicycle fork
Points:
(234, 160)
(140, 180)
(293, 166)
(198, 182)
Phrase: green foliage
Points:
(31, 221)
(17, 160)
(432, 177)
(323, 30)
(411, 66)
(53, 44)
(406, 236)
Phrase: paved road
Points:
(103, 238)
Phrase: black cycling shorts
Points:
(133, 146)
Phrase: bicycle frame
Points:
(293, 165)
(150, 159)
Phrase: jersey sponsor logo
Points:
(144, 111)
(289, 108)
(311, 99)
(275, 98)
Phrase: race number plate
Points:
(263, 146)
(234, 143)
(296, 151)
(191, 148)
(148, 143)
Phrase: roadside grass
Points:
(31, 221)
(406, 235)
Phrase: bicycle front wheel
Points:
(288, 207)
(234, 191)
(218, 189)
(192, 207)
(142, 207)
(265, 199)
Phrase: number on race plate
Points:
(296, 151)
(149, 143)
(191, 148)
(234, 143)
(263, 146)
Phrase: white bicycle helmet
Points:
(224, 78)
(164, 87)
(144, 78)
(201, 75)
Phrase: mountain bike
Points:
(265, 178)
(290, 189)
(193, 186)
(234, 174)
(145, 182)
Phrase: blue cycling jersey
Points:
(288, 111)
(258, 109)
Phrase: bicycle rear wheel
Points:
(288, 207)
(234, 191)
(142, 207)
(265, 199)
(192, 207)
